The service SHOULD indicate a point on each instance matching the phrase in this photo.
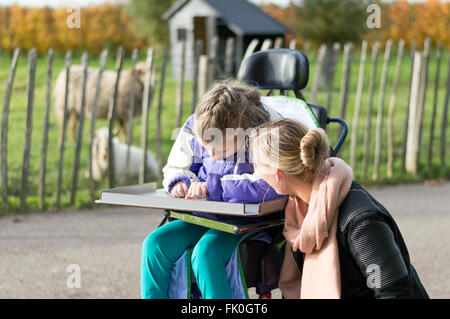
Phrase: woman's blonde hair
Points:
(229, 104)
(288, 145)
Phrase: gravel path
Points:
(37, 248)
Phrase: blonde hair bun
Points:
(314, 149)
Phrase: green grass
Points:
(17, 122)
(17, 125)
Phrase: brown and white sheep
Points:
(105, 99)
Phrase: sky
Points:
(61, 3)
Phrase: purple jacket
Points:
(230, 181)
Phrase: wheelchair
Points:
(284, 70)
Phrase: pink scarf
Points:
(312, 229)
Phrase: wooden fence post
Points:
(347, 66)
(42, 170)
(398, 67)
(197, 53)
(180, 85)
(229, 57)
(330, 80)
(9, 86)
(406, 122)
(26, 153)
(435, 98)
(68, 61)
(423, 90)
(292, 44)
(103, 57)
(134, 55)
(160, 105)
(212, 59)
(306, 47)
(146, 103)
(379, 127)
(413, 125)
(445, 120)
(76, 164)
(354, 133)
(267, 44)
(112, 118)
(373, 72)
(203, 75)
(278, 43)
(250, 49)
(317, 71)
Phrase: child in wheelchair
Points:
(206, 162)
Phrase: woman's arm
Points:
(373, 247)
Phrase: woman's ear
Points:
(279, 175)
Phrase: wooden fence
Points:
(409, 147)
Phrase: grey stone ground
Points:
(36, 248)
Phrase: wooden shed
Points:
(192, 20)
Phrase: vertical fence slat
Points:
(76, 164)
(197, 53)
(102, 62)
(6, 104)
(398, 67)
(413, 127)
(373, 71)
(267, 44)
(354, 134)
(347, 66)
(146, 101)
(379, 125)
(160, 105)
(112, 118)
(62, 136)
(423, 90)
(134, 55)
(330, 79)
(180, 85)
(435, 98)
(445, 120)
(317, 71)
(26, 152)
(293, 44)
(406, 122)
(203, 75)
(229, 57)
(306, 47)
(250, 49)
(46, 127)
(278, 43)
(213, 68)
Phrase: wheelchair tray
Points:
(146, 195)
(229, 227)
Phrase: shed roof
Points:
(243, 16)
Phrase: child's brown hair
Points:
(229, 104)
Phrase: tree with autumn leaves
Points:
(399, 20)
(102, 26)
(110, 26)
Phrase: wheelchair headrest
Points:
(276, 69)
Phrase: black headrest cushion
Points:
(281, 69)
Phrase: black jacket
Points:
(373, 257)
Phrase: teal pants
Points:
(212, 251)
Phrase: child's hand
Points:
(197, 190)
(180, 189)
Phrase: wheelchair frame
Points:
(268, 257)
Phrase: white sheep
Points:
(100, 159)
(105, 98)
